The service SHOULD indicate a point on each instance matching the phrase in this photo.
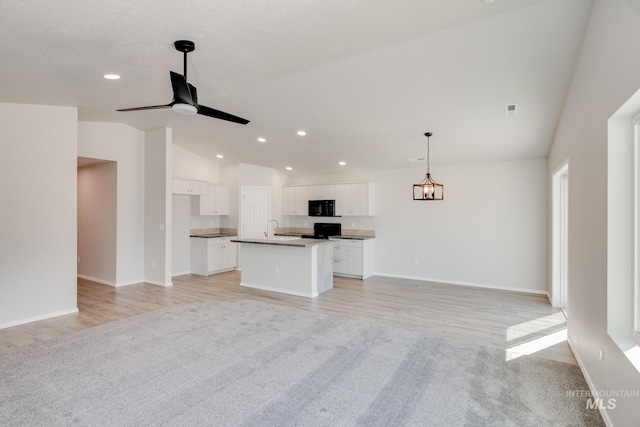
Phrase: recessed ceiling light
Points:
(301, 133)
(220, 156)
(111, 76)
(289, 168)
(261, 139)
(342, 163)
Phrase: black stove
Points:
(324, 230)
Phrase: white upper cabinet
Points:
(322, 192)
(189, 187)
(215, 202)
(354, 199)
(295, 200)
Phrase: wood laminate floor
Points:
(519, 323)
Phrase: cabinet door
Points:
(288, 200)
(229, 255)
(221, 200)
(191, 188)
(359, 199)
(180, 186)
(214, 257)
(315, 192)
(199, 188)
(343, 199)
(329, 192)
(354, 261)
(204, 205)
(302, 200)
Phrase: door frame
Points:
(560, 236)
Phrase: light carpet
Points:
(249, 363)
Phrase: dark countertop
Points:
(301, 243)
(343, 236)
(352, 237)
(211, 236)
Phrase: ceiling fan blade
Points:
(181, 93)
(194, 93)
(151, 107)
(217, 114)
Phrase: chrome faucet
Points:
(271, 231)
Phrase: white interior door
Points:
(255, 211)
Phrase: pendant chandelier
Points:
(428, 189)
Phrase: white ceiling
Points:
(365, 78)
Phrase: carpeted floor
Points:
(254, 364)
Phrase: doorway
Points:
(255, 209)
(97, 220)
(561, 238)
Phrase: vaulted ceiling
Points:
(364, 78)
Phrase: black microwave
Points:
(322, 208)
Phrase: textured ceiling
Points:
(364, 78)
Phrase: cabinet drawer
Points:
(340, 252)
(340, 266)
(218, 240)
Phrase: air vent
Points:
(511, 110)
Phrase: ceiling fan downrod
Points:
(185, 46)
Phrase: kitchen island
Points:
(302, 267)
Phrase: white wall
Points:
(38, 170)
(157, 207)
(188, 165)
(97, 222)
(124, 145)
(489, 231)
(607, 74)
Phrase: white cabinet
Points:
(353, 258)
(213, 255)
(189, 187)
(322, 192)
(295, 200)
(354, 199)
(215, 202)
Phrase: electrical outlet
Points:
(353, 225)
(417, 261)
(153, 264)
(161, 227)
(277, 270)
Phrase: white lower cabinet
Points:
(213, 255)
(353, 258)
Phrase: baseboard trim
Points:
(458, 283)
(37, 318)
(154, 282)
(106, 282)
(592, 387)
(181, 274)
(282, 291)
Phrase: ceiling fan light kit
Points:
(184, 109)
(185, 95)
(428, 189)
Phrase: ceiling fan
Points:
(185, 95)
